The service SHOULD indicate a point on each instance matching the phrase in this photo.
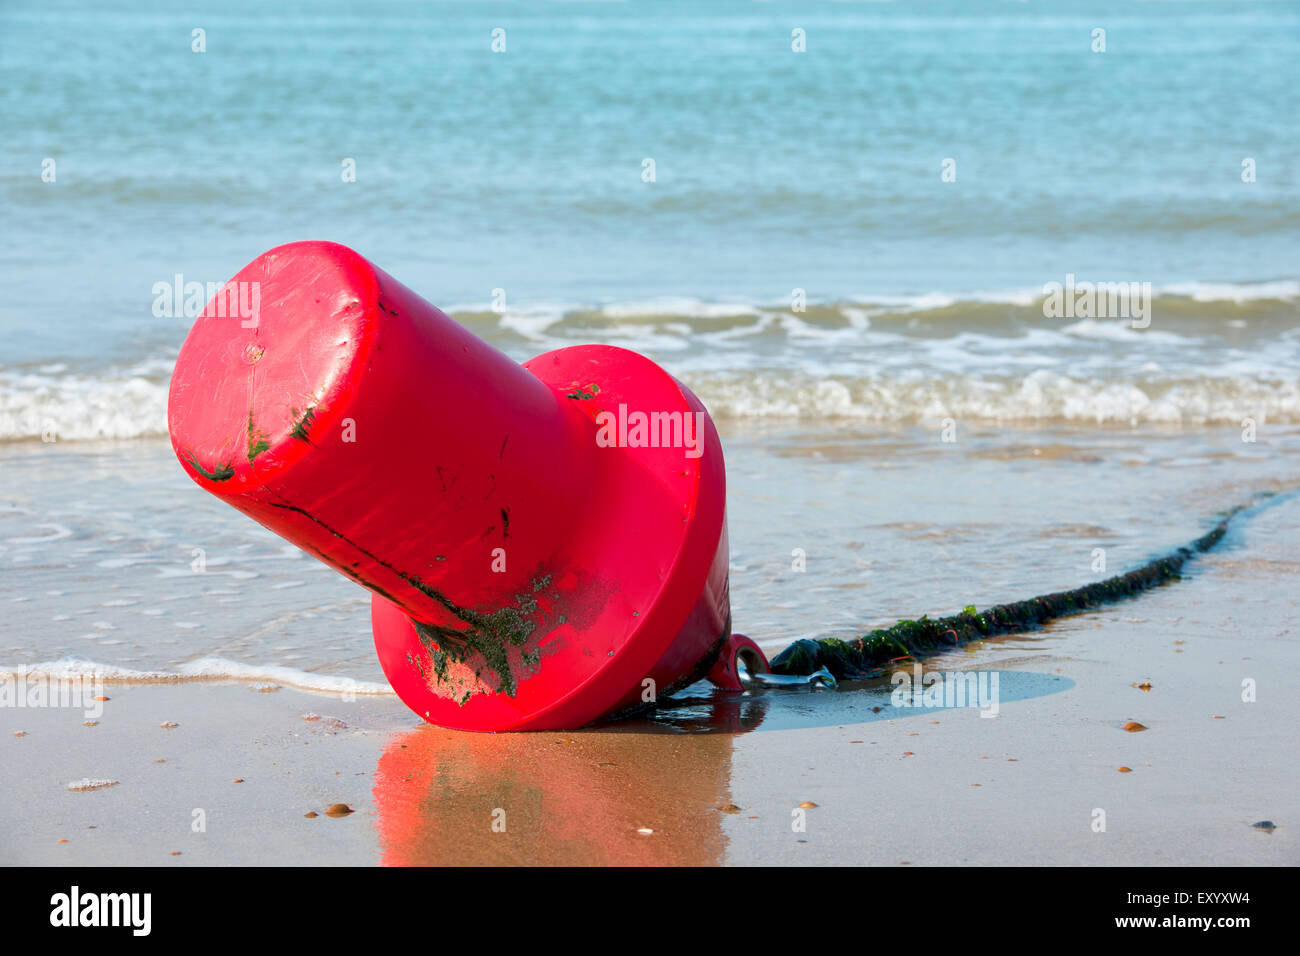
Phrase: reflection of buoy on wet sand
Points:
(550, 799)
(546, 543)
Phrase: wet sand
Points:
(719, 780)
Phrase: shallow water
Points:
(111, 554)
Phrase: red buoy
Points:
(546, 542)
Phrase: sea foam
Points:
(73, 667)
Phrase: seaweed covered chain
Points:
(874, 653)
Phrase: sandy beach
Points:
(720, 779)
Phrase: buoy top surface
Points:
(255, 377)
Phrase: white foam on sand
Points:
(73, 667)
(220, 668)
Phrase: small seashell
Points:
(311, 814)
(1134, 727)
(169, 725)
(807, 805)
(338, 810)
(1125, 769)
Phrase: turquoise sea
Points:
(525, 170)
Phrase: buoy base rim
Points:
(656, 532)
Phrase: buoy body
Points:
(546, 543)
